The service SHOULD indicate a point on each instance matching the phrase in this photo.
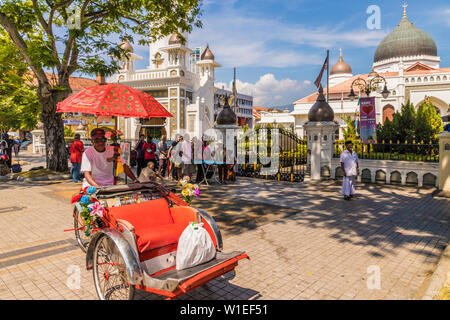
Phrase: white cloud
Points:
(237, 39)
(268, 91)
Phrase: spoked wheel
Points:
(80, 231)
(110, 275)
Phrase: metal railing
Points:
(421, 152)
(290, 162)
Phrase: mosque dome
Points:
(207, 54)
(341, 67)
(125, 45)
(174, 39)
(406, 40)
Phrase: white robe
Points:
(348, 186)
(350, 161)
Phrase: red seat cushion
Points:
(144, 215)
(158, 237)
(153, 223)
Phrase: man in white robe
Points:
(350, 167)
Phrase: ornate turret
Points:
(207, 54)
(126, 45)
(174, 39)
(226, 116)
(321, 110)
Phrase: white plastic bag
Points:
(194, 247)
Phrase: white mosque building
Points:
(407, 58)
(180, 78)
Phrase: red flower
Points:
(85, 189)
(76, 198)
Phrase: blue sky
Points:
(278, 46)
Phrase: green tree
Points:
(19, 105)
(403, 124)
(428, 123)
(50, 35)
(350, 131)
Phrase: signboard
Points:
(125, 148)
(368, 122)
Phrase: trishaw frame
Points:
(118, 231)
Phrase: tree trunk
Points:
(55, 145)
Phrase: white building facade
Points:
(181, 79)
(407, 58)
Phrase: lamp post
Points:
(369, 86)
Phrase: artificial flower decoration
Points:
(189, 190)
(85, 200)
(96, 209)
(76, 198)
(91, 190)
(91, 210)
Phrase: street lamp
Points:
(369, 86)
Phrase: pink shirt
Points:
(97, 163)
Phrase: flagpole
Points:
(328, 76)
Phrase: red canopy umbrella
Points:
(114, 100)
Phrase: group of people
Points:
(182, 158)
(176, 161)
(7, 146)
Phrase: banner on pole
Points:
(367, 120)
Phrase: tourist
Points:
(6, 146)
(140, 159)
(176, 158)
(220, 157)
(98, 162)
(163, 153)
(148, 173)
(150, 151)
(76, 154)
(187, 167)
(350, 167)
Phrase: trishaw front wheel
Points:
(110, 274)
(80, 231)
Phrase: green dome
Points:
(406, 40)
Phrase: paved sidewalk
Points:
(329, 249)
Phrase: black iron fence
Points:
(287, 163)
(422, 152)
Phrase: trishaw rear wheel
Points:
(110, 274)
(80, 229)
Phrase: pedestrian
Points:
(76, 155)
(150, 152)
(148, 174)
(16, 147)
(175, 161)
(187, 167)
(7, 148)
(163, 153)
(140, 154)
(350, 167)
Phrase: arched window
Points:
(388, 113)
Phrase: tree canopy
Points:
(411, 125)
(68, 36)
(19, 105)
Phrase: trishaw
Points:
(133, 245)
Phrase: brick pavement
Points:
(323, 252)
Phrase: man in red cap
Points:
(98, 162)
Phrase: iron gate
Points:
(288, 162)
